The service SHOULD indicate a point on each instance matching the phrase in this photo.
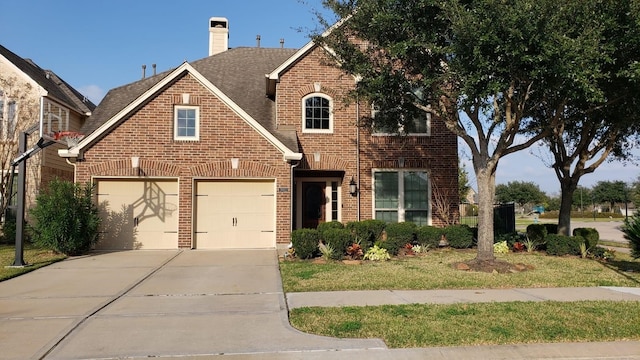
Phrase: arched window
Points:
(317, 114)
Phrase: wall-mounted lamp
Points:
(135, 164)
(353, 187)
(234, 163)
(316, 156)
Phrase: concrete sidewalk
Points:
(212, 304)
(400, 297)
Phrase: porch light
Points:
(234, 163)
(353, 187)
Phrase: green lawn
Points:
(34, 257)
(434, 271)
(424, 325)
(404, 326)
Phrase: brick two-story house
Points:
(29, 95)
(237, 149)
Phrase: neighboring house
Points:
(237, 149)
(29, 93)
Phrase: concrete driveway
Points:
(153, 304)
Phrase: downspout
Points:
(358, 158)
(74, 169)
(293, 166)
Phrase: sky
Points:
(99, 45)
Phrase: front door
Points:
(313, 204)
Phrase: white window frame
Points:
(401, 193)
(304, 114)
(195, 137)
(374, 111)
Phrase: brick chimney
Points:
(218, 35)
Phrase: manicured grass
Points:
(34, 257)
(434, 271)
(404, 326)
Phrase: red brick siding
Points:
(437, 153)
(148, 134)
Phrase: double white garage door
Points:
(143, 214)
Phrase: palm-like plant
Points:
(631, 230)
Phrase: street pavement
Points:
(212, 304)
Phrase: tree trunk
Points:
(486, 194)
(568, 186)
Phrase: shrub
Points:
(551, 228)
(560, 245)
(590, 235)
(511, 238)
(429, 236)
(338, 239)
(366, 232)
(536, 233)
(377, 254)
(65, 219)
(9, 229)
(305, 242)
(398, 235)
(501, 247)
(631, 230)
(459, 236)
(322, 227)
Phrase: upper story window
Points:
(186, 123)
(317, 114)
(420, 125)
(8, 116)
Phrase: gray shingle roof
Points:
(52, 83)
(239, 73)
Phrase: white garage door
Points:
(138, 214)
(235, 214)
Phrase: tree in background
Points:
(18, 108)
(610, 192)
(582, 198)
(520, 192)
(635, 193)
(463, 183)
(595, 100)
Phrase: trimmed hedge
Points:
(560, 245)
(322, 227)
(398, 235)
(338, 239)
(366, 232)
(429, 236)
(551, 228)
(305, 242)
(590, 235)
(536, 233)
(459, 236)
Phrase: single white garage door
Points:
(235, 214)
(138, 214)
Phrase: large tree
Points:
(520, 192)
(481, 67)
(611, 192)
(597, 106)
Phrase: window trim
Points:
(177, 137)
(401, 192)
(304, 114)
